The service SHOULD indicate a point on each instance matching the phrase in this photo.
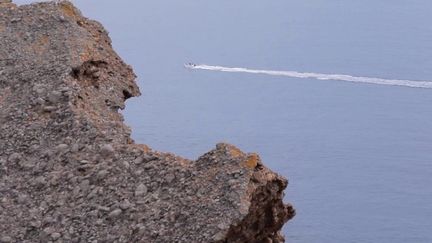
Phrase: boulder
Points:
(69, 170)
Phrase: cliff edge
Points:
(69, 171)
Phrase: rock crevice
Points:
(69, 171)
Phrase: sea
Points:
(358, 155)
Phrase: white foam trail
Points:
(320, 76)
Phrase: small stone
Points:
(102, 208)
(54, 96)
(46, 233)
(138, 172)
(49, 220)
(14, 158)
(148, 166)
(138, 160)
(55, 236)
(48, 153)
(102, 174)
(126, 164)
(115, 213)
(5, 239)
(40, 101)
(221, 226)
(148, 158)
(36, 224)
(219, 236)
(39, 90)
(14, 20)
(95, 75)
(22, 199)
(84, 185)
(125, 204)
(49, 108)
(64, 89)
(169, 178)
(62, 147)
(40, 181)
(93, 193)
(141, 190)
(232, 182)
(107, 150)
(75, 148)
(34, 148)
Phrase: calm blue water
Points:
(358, 156)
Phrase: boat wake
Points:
(319, 76)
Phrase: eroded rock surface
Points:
(69, 171)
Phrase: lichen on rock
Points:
(69, 171)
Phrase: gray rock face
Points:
(69, 171)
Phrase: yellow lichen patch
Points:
(40, 45)
(252, 160)
(84, 56)
(142, 147)
(234, 152)
(6, 4)
(43, 40)
(68, 9)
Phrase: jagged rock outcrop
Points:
(69, 171)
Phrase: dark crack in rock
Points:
(69, 171)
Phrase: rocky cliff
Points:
(69, 171)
